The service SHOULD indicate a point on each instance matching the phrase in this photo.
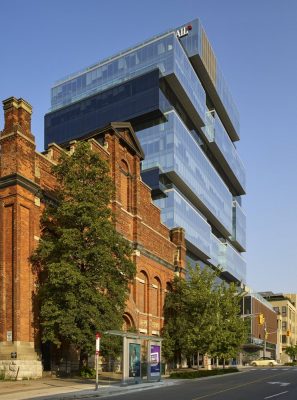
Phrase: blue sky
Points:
(255, 43)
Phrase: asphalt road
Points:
(278, 383)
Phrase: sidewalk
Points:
(77, 388)
(57, 388)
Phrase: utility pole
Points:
(98, 336)
(265, 336)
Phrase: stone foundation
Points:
(19, 370)
(25, 365)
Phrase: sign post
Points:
(98, 336)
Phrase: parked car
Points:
(264, 361)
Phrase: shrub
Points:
(87, 372)
(201, 373)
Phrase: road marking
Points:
(275, 395)
(279, 383)
(234, 387)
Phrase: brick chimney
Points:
(17, 116)
(17, 141)
(177, 236)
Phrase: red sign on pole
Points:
(98, 337)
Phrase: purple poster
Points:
(155, 363)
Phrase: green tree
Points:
(230, 329)
(292, 352)
(84, 265)
(175, 324)
(188, 314)
(202, 316)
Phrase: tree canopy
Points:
(292, 352)
(202, 315)
(84, 264)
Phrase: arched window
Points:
(128, 323)
(125, 185)
(156, 297)
(142, 292)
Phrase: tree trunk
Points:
(198, 360)
(223, 363)
(83, 359)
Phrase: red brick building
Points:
(25, 175)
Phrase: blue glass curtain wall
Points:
(176, 211)
(216, 133)
(166, 54)
(231, 261)
(172, 148)
(193, 45)
(130, 100)
(239, 225)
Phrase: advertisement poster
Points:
(134, 360)
(155, 361)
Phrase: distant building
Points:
(262, 337)
(285, 306)
(26, 182)
(172, 90)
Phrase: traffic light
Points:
(266, 335)
(288, 333)
(261, 319)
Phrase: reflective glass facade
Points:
(196, 44)
(165, 53)
(231, 261)
(177, 211)
(226, 257)
(172, 148)
(128, 101)
(239, 226)
(186, 130)
(216, 134)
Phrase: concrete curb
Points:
(106, 391)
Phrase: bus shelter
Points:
(132, 356)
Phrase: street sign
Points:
(98, 337)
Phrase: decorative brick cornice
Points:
(17, 132)
(147, 253)
(17, 179)
(17, 103)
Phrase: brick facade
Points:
(25, 174)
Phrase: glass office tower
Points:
(172, 90)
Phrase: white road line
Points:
(275, 395)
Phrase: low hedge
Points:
(201, 373)
(291, 364)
